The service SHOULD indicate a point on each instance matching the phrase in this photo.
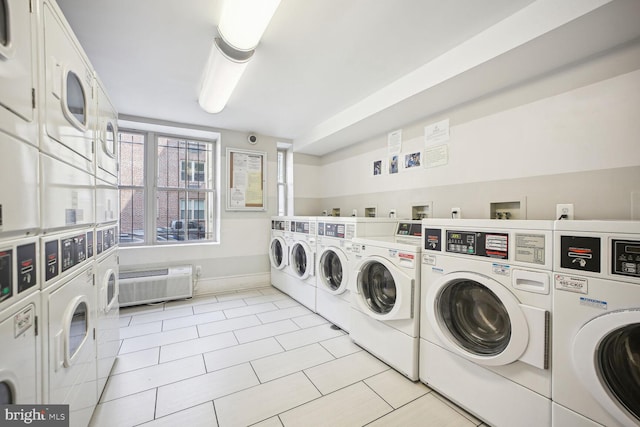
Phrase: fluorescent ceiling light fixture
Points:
(221, 75)
(242, 22)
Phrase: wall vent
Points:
(160, 284)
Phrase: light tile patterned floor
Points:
(258, 358)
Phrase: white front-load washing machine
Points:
(485, 315)
(279, 252)
(335, 262)
(301, 281)
(596, 335)
(385, 301)
(108, 308)
(20, 358)
(69, 316)
(67, 112)
(18, 68)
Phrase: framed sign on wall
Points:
(246, 180)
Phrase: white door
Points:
(301, 260)
(69, 99)
(19, 359)
(332, 270)
(606, 356)
(71, 345)
(278, 253)
(383, 290)
(477, 318)
(17, 68)
(106, 134)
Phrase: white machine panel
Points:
(107, 202)
(106, 138)
(18, 71)
(19, 201)
(68, 122)
(68, 193)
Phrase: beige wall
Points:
(570, 137)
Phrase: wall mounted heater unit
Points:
(161, 284)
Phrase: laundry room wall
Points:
(306, 184)
(568, 137)
(240, 259)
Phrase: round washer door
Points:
(383, 290)
(278, 253)
(332, 270)
(301, 260)
(606, 354)
(477, 318)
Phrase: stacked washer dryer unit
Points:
(279, 252)
(596, 340)
(67, 124)
(485, 315)
(301, 281)
(20, 357)
(107, 212)
(386, 298)
(335, 263)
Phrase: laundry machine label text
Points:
(571, 284)
(590, 302)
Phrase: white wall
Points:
(553, 140)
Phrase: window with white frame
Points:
(177, 196)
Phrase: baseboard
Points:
(231, 283)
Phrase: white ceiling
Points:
(329, 73)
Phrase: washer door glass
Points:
(110, 141)
(378, 288)
(299, 260)
(619, 364)
(475, 317)
(6, 395)
(331, 270)
(76, 100)
(79, 328)
(277, 252)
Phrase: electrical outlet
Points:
(456, 213)
(564, 211)
(392, 213)
(198, 271)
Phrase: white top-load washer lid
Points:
(301, 260)
(477, 318)
(606, 356)
(278, 253)
(332, 270)
(384, 291)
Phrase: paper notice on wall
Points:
(237, 198)
(394, 142)
(436, 156)
(436, 133)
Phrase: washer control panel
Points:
(626, 257)
(331, 230)
(491, 245)
(6, 274)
